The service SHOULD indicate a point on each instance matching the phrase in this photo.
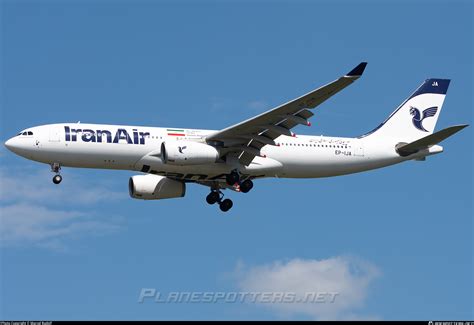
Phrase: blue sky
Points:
(397, 242)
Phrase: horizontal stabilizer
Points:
(428, 141)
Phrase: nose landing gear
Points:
(57, 179)
(55, 168)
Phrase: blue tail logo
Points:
(419, 117)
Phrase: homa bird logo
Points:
(419, 117)
(180, 149)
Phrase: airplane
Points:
(232, 158)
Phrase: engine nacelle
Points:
(188, 153)
(155, 187)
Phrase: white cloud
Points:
(25, 224)
(39, 188)
(39, 213)
(349, 277)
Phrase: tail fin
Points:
(416, 117)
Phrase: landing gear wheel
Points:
(226, 205)
(246, 186)
(57, 179)
(232, 178)
(213, 197)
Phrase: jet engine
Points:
(188, 153)
(155, 187)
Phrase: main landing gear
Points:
(55, 168)
(232, 179)
(246, 186)
(216, 196)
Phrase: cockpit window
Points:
(26, 133)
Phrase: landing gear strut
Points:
(216, 196)
(55, 168)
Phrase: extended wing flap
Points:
(428, 141)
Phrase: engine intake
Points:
(188, 153)
(155, 187)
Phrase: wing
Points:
(245, 139)
(431, 111)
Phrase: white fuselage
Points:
(132, 148)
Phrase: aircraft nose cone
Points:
(21, 147)
(9, 144)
